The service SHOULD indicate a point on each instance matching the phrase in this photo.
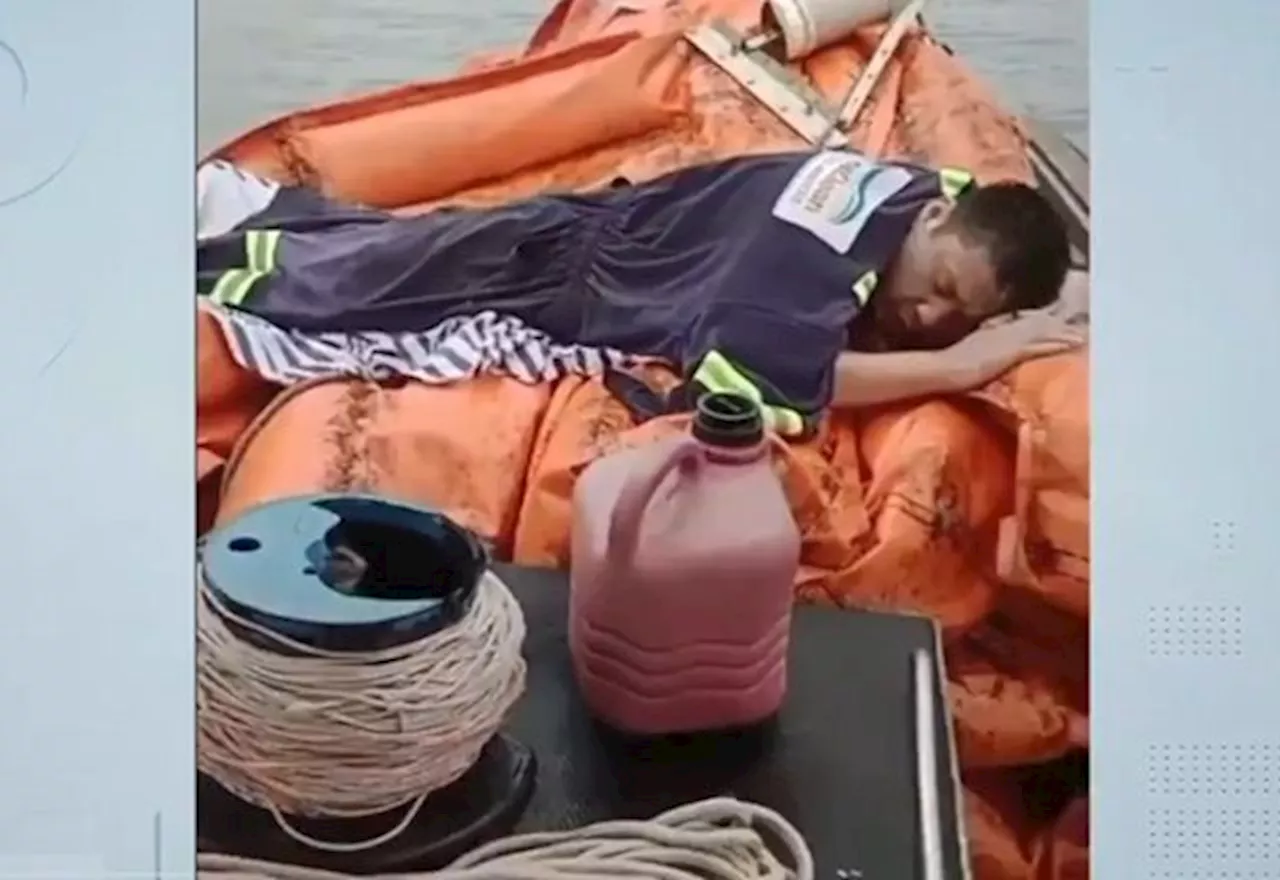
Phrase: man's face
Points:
(940, 288)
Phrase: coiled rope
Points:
(718, 839)
(309, 732)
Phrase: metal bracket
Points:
(865, 83)
(795, 103)
(747, 62)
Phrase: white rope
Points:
(718, 839)
(308, 732)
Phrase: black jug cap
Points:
(728, 420)
(344, 572)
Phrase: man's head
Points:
(996, 249)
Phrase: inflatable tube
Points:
(462, 449)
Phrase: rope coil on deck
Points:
(308, 732)
(717, 839)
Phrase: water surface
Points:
(258, 59)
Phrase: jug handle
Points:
(624, 524)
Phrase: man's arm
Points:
(870, 379)
(865, 379)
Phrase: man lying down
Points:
(808, 280)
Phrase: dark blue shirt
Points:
(745, 273)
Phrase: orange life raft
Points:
(973, 510)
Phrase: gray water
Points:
(257, 60)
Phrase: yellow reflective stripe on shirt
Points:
(716, 373)
(865, 286)
(234, 286)
(954, 181)
(260, 247)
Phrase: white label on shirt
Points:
(835, 193)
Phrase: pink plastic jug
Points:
(684, 555)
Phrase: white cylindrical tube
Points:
(809, 25)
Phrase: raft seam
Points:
(347, 433)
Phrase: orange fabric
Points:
(227, 395)
(208, 472)
(1062, 851)
(346, 434)
(998, 830)
(227, 399)
(1025, 825)
(549, 109)
(1045, 540)
(584, 422)
(207, 463)
(937, 480)
(974, 511)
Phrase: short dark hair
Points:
(1025, 236)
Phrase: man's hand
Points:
(1003, 343)
(869, 379)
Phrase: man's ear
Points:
(936, 213)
